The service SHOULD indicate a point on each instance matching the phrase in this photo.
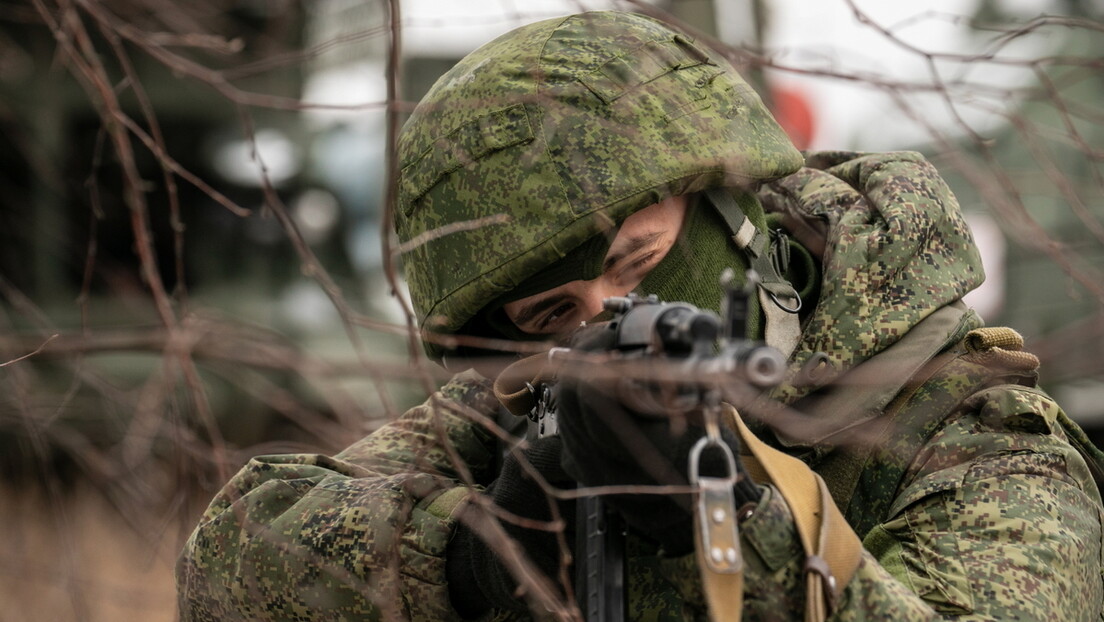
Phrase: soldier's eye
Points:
(551, 319)
(643, 262)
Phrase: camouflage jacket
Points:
(964, 481)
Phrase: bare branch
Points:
(30, 354)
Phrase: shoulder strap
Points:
(514, 386)
(984, 357)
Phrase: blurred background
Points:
(194, 269)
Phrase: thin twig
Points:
(30, 354)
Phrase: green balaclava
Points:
(692, 268)
(689, 273)
(582, 264)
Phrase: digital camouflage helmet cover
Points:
(555, 132)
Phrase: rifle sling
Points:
(832, 550)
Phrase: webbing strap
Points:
(832, 550)
(724, 593)
(906, 424)
(777, 297)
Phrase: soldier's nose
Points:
(598, 290)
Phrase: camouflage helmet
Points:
(557, 131)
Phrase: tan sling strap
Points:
(724, 593)
(832, 550)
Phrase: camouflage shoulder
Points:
(1008, 531)
(295, 534)
(463, 410)
(472, 389)
(997, 421)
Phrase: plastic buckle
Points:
(780, 251)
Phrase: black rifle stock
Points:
(599, 540)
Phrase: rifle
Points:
(690, 343)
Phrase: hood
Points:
(894, 246)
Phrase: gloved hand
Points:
(515, 492)
(606, 443)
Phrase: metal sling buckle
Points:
(716, 506)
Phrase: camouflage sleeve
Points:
(359, 536)
(1000, 520)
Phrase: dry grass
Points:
(72, 556)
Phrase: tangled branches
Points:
(169, 311)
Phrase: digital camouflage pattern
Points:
(359, 536)
(955, 470)
(566, 126)
(886, 210)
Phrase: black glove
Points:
(606, 444)
(468, 556)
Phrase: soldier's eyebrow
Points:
(634, 245)
(530, 311)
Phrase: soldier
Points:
(628, 158)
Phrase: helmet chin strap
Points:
(767, 252)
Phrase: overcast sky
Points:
(827, 35)
(819, 35)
